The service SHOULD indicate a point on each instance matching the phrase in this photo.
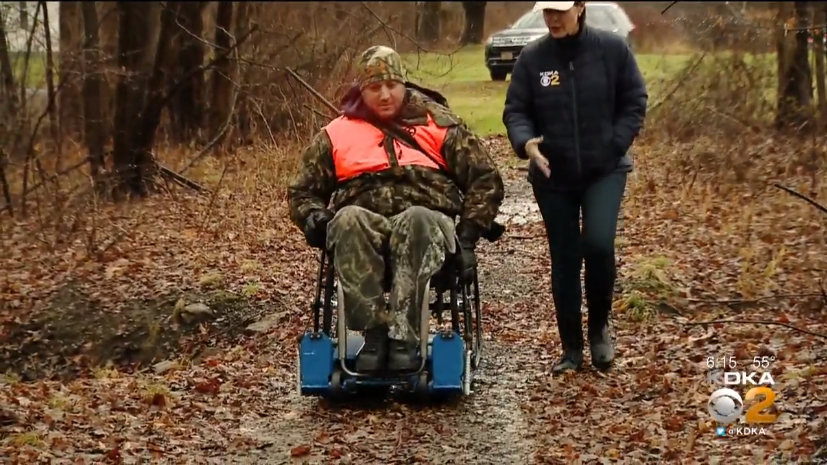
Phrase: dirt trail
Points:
(487, 427)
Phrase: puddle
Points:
(519, 212)
(519, 207)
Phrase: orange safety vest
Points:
(358, 149)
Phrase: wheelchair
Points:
(449, 355)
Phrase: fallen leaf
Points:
(300, 451)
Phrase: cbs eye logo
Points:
(726, 406)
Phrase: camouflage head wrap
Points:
(380, 63)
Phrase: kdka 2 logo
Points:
(726, 405)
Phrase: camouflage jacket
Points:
(475, 197)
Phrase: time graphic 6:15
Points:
(731, 363)
(721, 362)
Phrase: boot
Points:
(600, 344)
(571, 335)
(572, 360)
(374, 353)
(600, 341)
(402, 356)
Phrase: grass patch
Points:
(647, 285)
(35, 72)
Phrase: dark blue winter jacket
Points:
(586, 97)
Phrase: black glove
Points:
(315, 229)
(468, 236)
(467, 262)
(495, 232)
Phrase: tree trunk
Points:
(818, 21)
(7, 89)
(93, 131)
(158, 93)
(474, 28)
(71, 33)
(131, 162)
(54, 128)
(10, 97)
(428, 26)
(186, 107)
(108, 43)
(795, 81)
(242, 107)
(222, 82)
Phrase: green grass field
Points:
(463, 78)
(35, 70)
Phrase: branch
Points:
(405, 36)
(668, 7)
(687, 72)
(823, 292)
(209, 145)
(750, 301)
(759, 322)
(802, 197)
(804, 28)
(313, 91)
(317, 112)
(186, 182)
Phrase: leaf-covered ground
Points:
(170, 302)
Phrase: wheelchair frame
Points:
(464, 339)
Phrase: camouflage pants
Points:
(413, 244)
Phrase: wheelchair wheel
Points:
(421, 390)
(336, 383)
(471, 312)
(478, 343)
(331, 301)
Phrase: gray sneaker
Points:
(571, 360)
(602, 350)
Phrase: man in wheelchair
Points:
(397, 168)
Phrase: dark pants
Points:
(570, 248)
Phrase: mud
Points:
(519, 209)
(73, 334)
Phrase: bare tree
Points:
(10, 97)
(131, 159)
(7, 89)
(108, 43)
(222, 80)
(474, 28)
(795, 89)
(71, 30)
(241, 114)
(54, 129)
(93, 131)
(818, 21)
(186, 107)
(428, 24)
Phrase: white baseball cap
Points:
(558, 6)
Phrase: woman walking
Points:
(575, 104)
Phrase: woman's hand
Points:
(532, 149)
